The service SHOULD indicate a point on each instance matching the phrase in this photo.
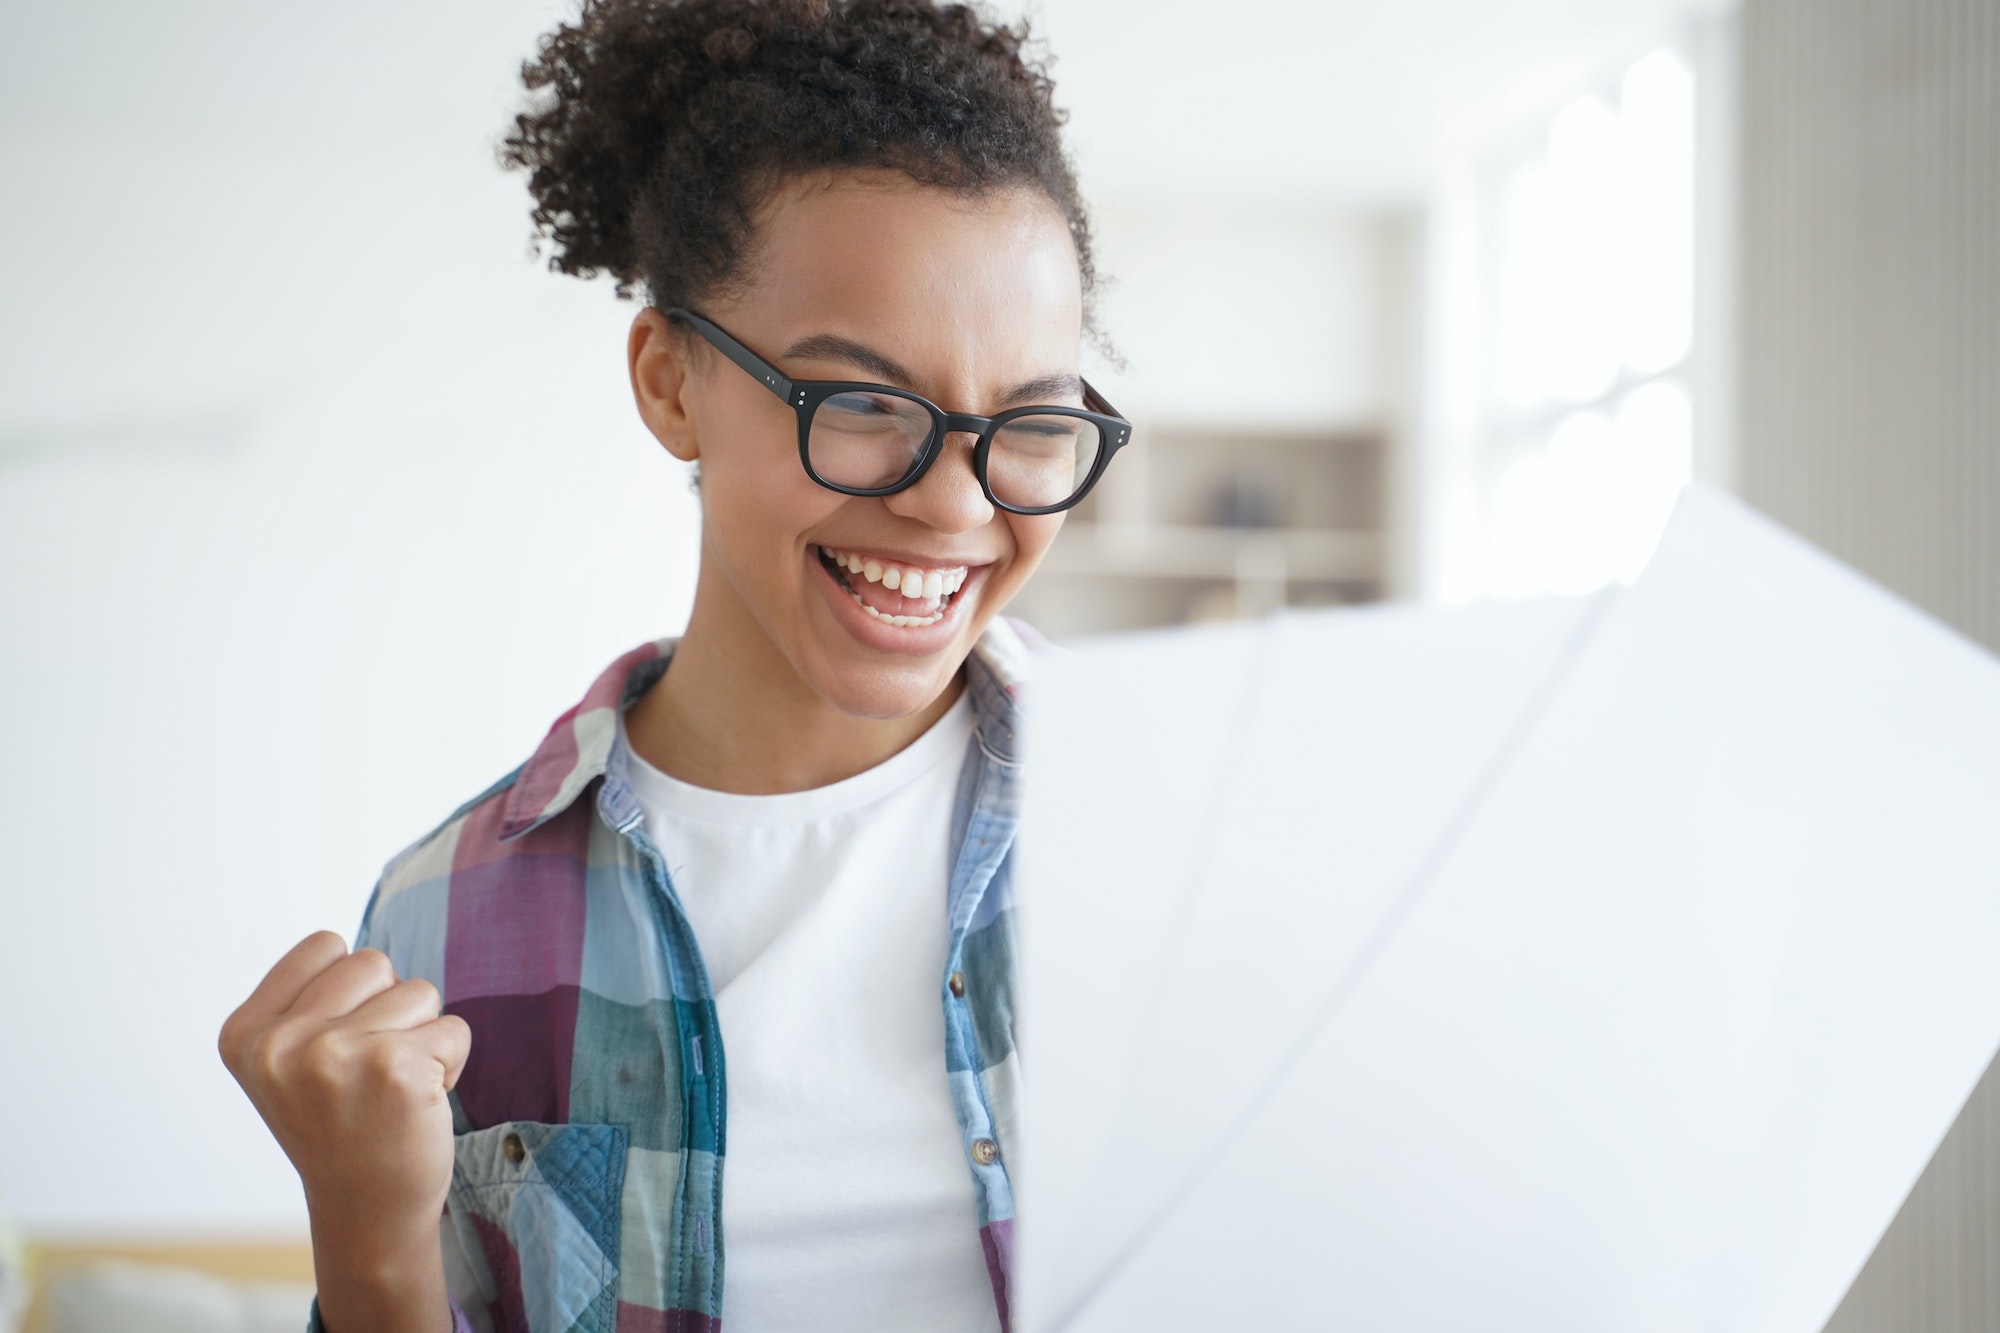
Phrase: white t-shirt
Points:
(847, 1202)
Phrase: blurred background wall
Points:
(1871, 290)
(1870, 423)
(319, 498)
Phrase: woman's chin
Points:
(864, 682)
(868, 668)
(886, 691)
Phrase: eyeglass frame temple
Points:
(755, 366)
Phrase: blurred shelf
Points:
(1204, 524)
(1192, 551)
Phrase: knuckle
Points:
(387, 1067)
(457, 1034)
(374, 960)
(319, 950)
(325, 1058)
(229, 1041)
(265, 1056)
(422, 990)
(374, 966)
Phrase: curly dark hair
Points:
(659, 126)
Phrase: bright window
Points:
(1586, 435)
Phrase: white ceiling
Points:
(1329, 100)
(1317, 100)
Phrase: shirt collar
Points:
(579, 745)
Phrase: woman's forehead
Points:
(970, 293)
(884, 248)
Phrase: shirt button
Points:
(958, 984)
(985, 1151)
(514, 1148)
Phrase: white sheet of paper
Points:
(1597, 966)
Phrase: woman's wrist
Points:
(379, 1275)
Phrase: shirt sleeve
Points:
(459, 1323)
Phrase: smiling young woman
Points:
(751, 896)
(794, 672)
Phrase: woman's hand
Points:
(350, 1069)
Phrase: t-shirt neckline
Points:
(945, 741)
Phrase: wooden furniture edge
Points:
(235, 1258)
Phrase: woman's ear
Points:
(657, 355)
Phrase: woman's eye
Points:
(861, 405)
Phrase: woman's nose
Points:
(948, 497)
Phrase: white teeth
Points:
(923, 583)
(901, 622)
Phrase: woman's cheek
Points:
(757, 517)
(1033, 535)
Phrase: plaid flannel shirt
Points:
(591, 1118)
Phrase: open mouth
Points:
(905, 596)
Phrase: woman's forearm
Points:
(376, 1278)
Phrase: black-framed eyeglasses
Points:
(875, 439)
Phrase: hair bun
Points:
(658, 126)
(729, 46)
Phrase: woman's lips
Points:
(901, 594)
(893, 621)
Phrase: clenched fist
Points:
(350, 1067)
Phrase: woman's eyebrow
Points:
(1043, 389)
(833, 347)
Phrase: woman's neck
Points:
(732, 715)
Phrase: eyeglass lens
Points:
(871, 440)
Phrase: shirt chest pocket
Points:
(535, 1210)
